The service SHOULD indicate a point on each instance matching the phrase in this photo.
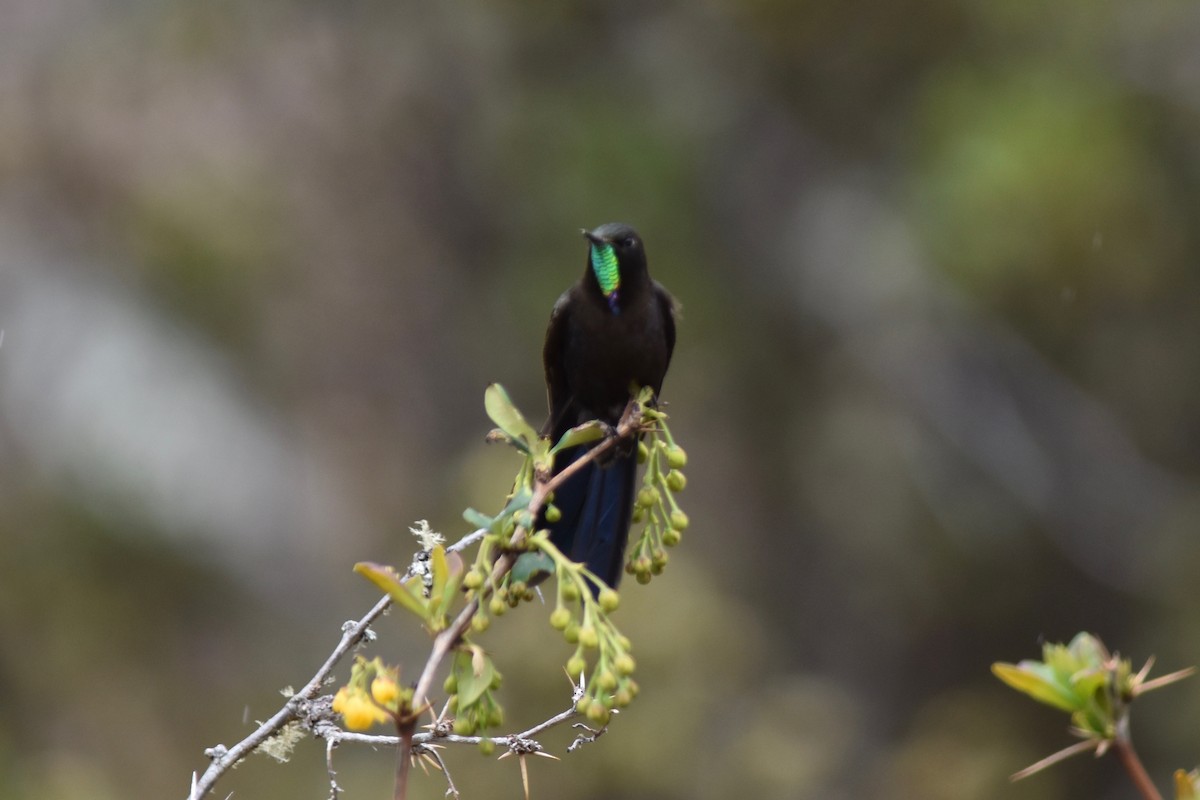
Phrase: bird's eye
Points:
(629, 241)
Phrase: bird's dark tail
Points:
(596, 504)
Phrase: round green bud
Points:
(624, 642)
(570, 592)
(643, 578)
(606, 681)
(624, 664)
(676, 480)
(451, 684)
(553, 514)
(464, 726)
(643, 453)
(583, 704)
(560, 618)
(487, 747)
(623, 698)
(575, 666)
(679, 520)
(632, 686)
(609, 600)
(495, 717)
(496, 679)
(639, 514)
(671, 537)
(588, 636)
(659, 559)
(517, 588)
(629, 568)
(452, 703)
(676, 457)
(645, 497)
(571, 633)
(597, 714)
(480, 623)
(473, 579)
(497, 606)
(528, 596)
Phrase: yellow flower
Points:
(357, 710)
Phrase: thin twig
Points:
(223, 759)
(1123, 746)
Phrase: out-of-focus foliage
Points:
(938, 368)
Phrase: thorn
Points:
(524, 775)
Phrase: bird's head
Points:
(617, 260)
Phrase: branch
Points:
(223, 759)
(300, 704)
(447, 640)
(1123, 746)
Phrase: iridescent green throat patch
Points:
(604, 264)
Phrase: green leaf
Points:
(448, 574)
(1039, 682)
(507, 418)
(386, 579)
(531, 565)
(586, 433)
(478, 519)
(473, 671)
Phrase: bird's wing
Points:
(668, 306)
(557, 393)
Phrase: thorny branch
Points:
(300, 705)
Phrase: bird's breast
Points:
(608, 353)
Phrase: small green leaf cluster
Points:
(1081, 678)
(655, 503)
(471, 684)
(1094, 686)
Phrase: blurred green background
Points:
(938, 372)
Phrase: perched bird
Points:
(610, 333)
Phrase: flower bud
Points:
(609, 600)
(671, 537)
(487, 747)
(588, 636)
(560, 618)
(679, 520)
(624, 664)
(575, 666)
(676, 457)
(553, 514)
(676, 480)
(597, 714)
